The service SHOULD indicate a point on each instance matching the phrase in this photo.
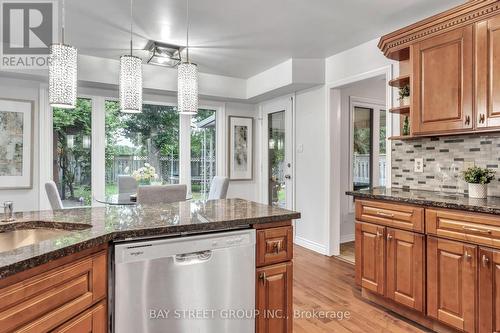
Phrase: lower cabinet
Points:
(390, 262)
(451, 283)
(489, 291)
(274, 298)
(94, 320)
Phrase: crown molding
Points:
(397, 42)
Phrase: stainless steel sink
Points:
(11, 240)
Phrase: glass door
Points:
(277, 168)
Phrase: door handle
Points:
(379, 234)
(482, 118)
(485, 260)
(385, 214)
(483, 231)
(288, 177)
(262, 277)
(467, 255)
(389, 237)
(467, 120)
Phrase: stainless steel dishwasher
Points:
(194, 284)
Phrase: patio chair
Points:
(53, 195)
(218, 188)
(127, 184)
(157, 194)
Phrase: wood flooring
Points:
(327, 284)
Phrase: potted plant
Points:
(404, 95)
(145, 175)
(478, 180)
(406, 126)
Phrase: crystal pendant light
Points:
(130, 79)
(63, 69)
(187, 81)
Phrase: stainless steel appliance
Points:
(195, 284)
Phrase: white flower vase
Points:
(478, 191)
(405, 101)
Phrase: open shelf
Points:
(399, 55)
(401, 137)
(400, 81)
(400, 109)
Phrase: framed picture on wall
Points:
(16, 144)
(240, 148)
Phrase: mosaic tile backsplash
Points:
(444, 153)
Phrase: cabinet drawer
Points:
(392, 215)
(482, 229)
(94, 320)
(45, 301)
(274, 245)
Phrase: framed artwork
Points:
(240, 148)
(16, 144)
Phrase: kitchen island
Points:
(57, 262)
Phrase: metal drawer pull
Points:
(389, 237)
(379, 234)
(277, 247)
(385, 214)
(485, 260)
(467, 255)
(483, 231)
(263, 277)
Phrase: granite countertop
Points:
(93, 226)
(491, 205)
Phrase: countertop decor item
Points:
(478, 179)
(145, 175)
(404, 95)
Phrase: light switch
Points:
(419, 165)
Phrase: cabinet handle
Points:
(389, 237)
(482, 118)
(277, 247)
(483, 231)
(485, 260)
(467, 120)
(262, 277)
(379, 234)
(385, 214)
(467, 255)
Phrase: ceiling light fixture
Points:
(63, 71)
(164, 54)
(130, 77)
(187, 80)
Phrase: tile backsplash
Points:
(446, 152)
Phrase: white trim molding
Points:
(310, 245)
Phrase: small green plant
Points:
(404, 92)
(406, 126)
(477, 175)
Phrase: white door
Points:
(278, 168)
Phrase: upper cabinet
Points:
(442, 77)
(454, 69)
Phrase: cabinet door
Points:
(93, 320)
(405, 268)
(274, 299)
(370, 257)
(451, 282)
(443, 83)
(487, 57)
(489, 291)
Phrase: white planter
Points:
(405, 101)
(479, 191)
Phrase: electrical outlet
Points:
(468, 163)
(419, 165)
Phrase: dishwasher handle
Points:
(192, 258)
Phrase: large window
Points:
(72, 134)
(203, 140)
(135, 141)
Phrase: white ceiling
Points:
(241, 38)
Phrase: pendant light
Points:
(63, 69)
(130, 78)
(187, 80)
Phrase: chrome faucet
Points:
(8, 211)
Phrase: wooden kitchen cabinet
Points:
(442, 89)
(405, 268)
(274, 298)
(370, 257)
(489, 291)
(94, 320)
(451, 283)
(487, 75)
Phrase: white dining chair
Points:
(218, 188)
(53, 195)
(127, 184)
(157, 194)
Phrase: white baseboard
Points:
(347, 238)
(313, 246)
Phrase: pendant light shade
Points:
(130, 84)
(63, 68)
(187, 88)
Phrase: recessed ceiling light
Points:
(163, 54)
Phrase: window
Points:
(135, 141)
(72, 134)
(203, 157)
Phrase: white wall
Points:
(311, 169)
(25, 199)
(374, 88)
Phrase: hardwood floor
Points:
(347, 252)
(327, 284)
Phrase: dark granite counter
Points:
(491, 205)
(91, 227)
